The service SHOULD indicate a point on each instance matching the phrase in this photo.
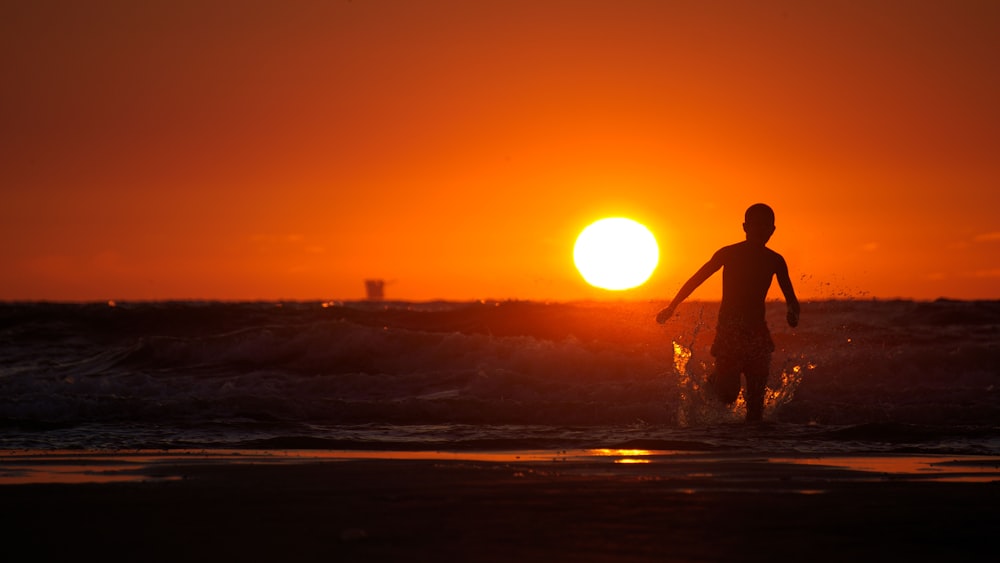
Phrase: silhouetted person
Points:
(743, 343)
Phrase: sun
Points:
(616, 254)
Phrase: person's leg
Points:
(725, 380)
(756, 373)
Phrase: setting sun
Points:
(616, 254)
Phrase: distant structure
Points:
(375, 290)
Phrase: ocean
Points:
(856, 376)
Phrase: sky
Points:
(290, 150)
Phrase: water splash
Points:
(792, 373)
(698, 406)
(682, 356)
(689, 387)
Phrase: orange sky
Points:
(269, 150)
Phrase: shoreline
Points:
(28, 467)
(504, 506)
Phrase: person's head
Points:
(758, 223)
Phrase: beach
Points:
(585, 505)
(492, 431)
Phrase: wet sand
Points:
(593, 505)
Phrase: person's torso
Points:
(747, 272)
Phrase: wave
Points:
(269, 365)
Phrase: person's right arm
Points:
(697, 279)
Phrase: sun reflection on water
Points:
(623, 455)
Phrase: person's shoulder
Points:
(731, 248)
(778, 259)
(722, 255)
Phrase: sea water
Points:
(855, 376)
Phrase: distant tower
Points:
(375, 289)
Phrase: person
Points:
(742, 342)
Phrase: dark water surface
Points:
(856, 376)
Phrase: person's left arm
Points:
(785, 283)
